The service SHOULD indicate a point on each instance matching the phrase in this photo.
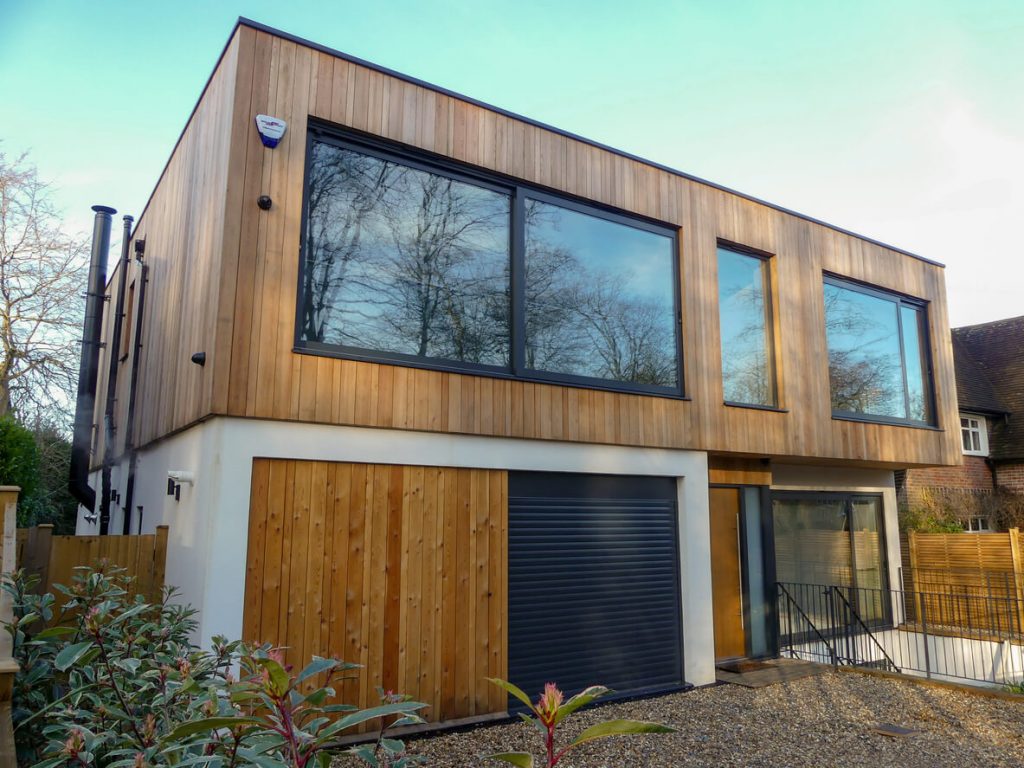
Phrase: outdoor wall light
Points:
(175, 479)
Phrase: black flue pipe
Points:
(113, 365)
(88, 367)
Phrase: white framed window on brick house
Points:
(973, 435)
(978, 524)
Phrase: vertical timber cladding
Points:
(401, 569)
(594, 592)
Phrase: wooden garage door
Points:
(593, 582)
(401, 569)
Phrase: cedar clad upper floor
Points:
(431, 263)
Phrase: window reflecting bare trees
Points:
(599, 298)
(402, 260)
(876, 357)
(744, 306)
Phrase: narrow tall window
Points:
(745, 320)
(877, 354)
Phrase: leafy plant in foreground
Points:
(111, 680)
(551, 709)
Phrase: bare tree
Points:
(42, 276)
(865, 369)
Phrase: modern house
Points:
(452, 394)
(989, 363)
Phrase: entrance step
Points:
(760, 674)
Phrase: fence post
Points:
(1018, 592)
(159, 562)
(912, 550)
(38, 549)
(832, 620)
(927, 652)
(8, 666)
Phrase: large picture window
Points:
(401, 260)
(745, 320)
(420, 263)
(877, 355)
(832, 540)
(600, 299)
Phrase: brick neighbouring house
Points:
(989, 361)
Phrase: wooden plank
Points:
(339, 522)
(299, 539)
(354, 594)
(397, 501)
(464, 661)
(318, 597)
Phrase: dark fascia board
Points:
(971, 410)
(244, 22)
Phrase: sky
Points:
(902, 121)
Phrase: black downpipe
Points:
(88, 367)
(129, 424)
(112, 367)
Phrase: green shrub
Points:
(114, 681)
(38, 461)
(19, 465)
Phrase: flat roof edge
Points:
(243, 21)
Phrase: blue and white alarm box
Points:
(271, 129)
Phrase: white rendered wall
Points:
(952, 659)
(209, 525)
(189, 551)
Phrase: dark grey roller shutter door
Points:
(593, 582)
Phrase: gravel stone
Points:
(828, 720)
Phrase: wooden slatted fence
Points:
(54, 558)
(965, 580)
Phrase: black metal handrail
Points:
(865, 632)
(956, 635)
(792, 603)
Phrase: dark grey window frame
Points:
(769, 299)
(848, 498)
(900, 300)
(518, 192)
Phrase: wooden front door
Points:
(726, 574)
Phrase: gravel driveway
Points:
(816, 721)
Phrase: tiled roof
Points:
(990, 377)
(974, 391)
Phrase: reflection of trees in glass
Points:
(402, 260)
(913, 322)
(588, 311)
(747, 360)
(864, 361)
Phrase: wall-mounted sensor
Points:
(264, 202)
(271, 130)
